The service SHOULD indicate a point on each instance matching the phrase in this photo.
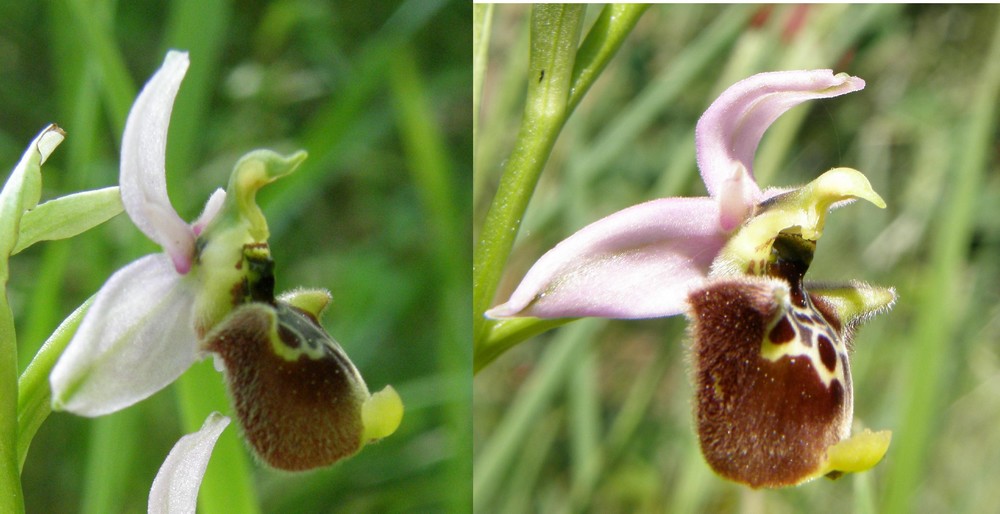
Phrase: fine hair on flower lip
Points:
(299, 399)
(774, 394)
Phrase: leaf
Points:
(68, 216)
(23, 188)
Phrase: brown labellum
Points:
(773, 390)
(297, 395)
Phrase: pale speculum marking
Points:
(800, 331)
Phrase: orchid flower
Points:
(774, 397)
(158, 315)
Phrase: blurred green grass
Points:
(379, 94)
(595, 416)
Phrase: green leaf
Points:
(68, 216)
(20, 193)
(23, 189)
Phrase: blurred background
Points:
(379, 95)
(596, 415)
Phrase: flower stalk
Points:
(559, 74)
(555, 31)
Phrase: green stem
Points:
(603, 40)
(508, 333)
(554, 33)
(555, 30)
(11, 496)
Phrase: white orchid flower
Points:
(212, 291)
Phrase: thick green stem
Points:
(11, 497)
(555, 31)
(559, 77)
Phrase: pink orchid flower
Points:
(642, 261)
(774, 399)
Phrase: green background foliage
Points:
(379, 95)
(596, 415)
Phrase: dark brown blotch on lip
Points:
(783, 332)
(288, 337)
(762, 423)
(296, 414)
(827, 353)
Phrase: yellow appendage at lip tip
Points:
(381, 414)
(857, 453)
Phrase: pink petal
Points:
(737, 198)
(636, 263)
(212, 208)
(143, 180)
(137, 337)
(730, 130)
(175, 488)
